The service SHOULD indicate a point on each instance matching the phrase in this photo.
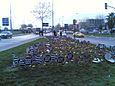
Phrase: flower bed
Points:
(60, 50)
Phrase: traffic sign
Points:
(66, 26)
(5, 21)
(46, 24)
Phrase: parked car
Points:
(36, 32)
(64, 34)
(83, 31)
(95, 31)
(105, 32)
(78, 34)
(69, 32)
(6, 34)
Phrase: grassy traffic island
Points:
(79, 71)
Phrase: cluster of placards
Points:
(45, 59)
(113, 50)
(110, 56)
(101, 46)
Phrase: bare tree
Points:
(58, 27)
(23, 28)
(42, 11)
(30, 25)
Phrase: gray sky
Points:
(64, 10)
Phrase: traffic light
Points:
(105, 5)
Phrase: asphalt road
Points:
(16, 41)
(108, 41)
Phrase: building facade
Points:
(91, 24)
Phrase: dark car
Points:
(6, 34)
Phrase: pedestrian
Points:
(42, 32)
(55, 34)
(60, 33)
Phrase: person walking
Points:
(60, 33)
(55, 34)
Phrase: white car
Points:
(64, 34)
(69, 32)
(105, 32)
(83, 31)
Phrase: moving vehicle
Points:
(69, 32)
(6, 34)
(78, 34)
(105, 32)
(36, 30)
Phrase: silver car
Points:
(6, 34)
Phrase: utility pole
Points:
(74, 24)
(52, 14)
(62, 21)
(11, 16)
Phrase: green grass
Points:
(6, 56)
(54, 75)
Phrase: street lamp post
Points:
(62, 21)
(11, 16)
(52, 14)
(74, 24)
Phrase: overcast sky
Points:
(64, 10)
